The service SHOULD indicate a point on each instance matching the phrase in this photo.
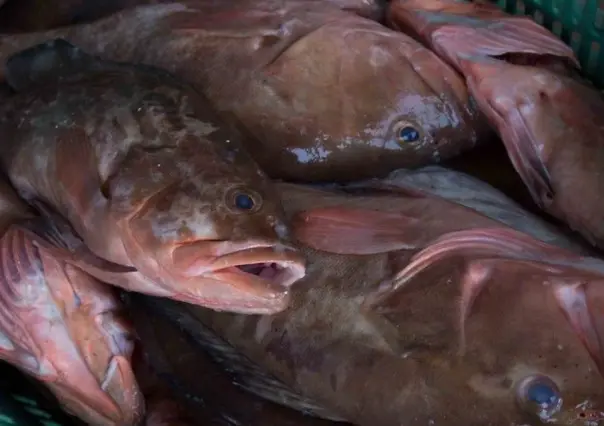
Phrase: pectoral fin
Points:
(344, 230)
(520, 142)
(476, 249)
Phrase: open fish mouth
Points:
(272, 269)
(282, 275)
(251, 275)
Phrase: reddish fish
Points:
(552, 128)
(61, 325)
(161, 189)
(322, 94)
(430, 314)
(536, 109)
(457, 29)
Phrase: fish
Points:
(416, 310)
(526, 81)
(163, 198)
(60, 325)
(38, 15)
(20, 16)
(318, 93)
(458, 29)
(551, 128)
(179, 366)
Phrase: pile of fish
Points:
(300, 212)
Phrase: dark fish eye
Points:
(538, 395)
(242, 199)
(244, 202)
(408, 134)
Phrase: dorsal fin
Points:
(46, 62)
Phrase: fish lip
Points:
(288, 263)
(224, 261)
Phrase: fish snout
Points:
(242, 276)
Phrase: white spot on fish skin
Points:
(312, 155)
(281, 230)
(198, 127)
(5, 343)
(263, 327)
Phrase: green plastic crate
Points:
(579, 23)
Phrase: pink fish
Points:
(552, 129)
(524, 80)
(62, 326)
(458, 29)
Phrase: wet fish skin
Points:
(180, 366)
(62, 326)
(158, 185)
(525, 81)
(403, 108)
(39, 15)
(436, 349)
(551, 127)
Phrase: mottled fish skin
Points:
(62, 326)
(211, 396)
(321, 94)
(37, 15)
(439, 349)
(148, 177)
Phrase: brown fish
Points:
(537, 113)
(431, 314)
(161, 191)
(38, 15)
(321, 93)
(62, 326)
(180, 365)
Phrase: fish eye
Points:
(406, 132)
(539, 396)
(244, 200)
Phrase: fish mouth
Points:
(250, 277)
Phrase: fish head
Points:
(202, 220)
(411, 103)
(529, 359)
(518, 326)
(392, 102)
(551, 127)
